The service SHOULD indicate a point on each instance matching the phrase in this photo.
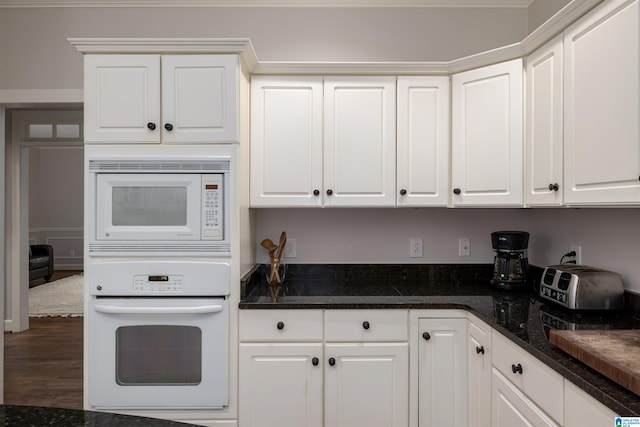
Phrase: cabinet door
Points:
(423, 141)
(583, 410)
(511, 408)
(286, 141)
(366, 384)
(122, 98)
(544, 116)
(442, 370)
(479, 375)
(487, 136)
(601, 140)
(359, 141)
(200, 98)
(280, 385)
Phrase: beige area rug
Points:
(61, 298)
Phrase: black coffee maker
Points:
(510, 266)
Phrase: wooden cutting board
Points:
(614, 353)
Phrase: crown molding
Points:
(244, 48)
(238, 46)
(552, 27)
(266, 3)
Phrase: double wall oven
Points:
(159, 267)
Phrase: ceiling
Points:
(264, 3)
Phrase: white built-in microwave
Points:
(167, 206)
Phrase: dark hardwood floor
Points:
(43, 365)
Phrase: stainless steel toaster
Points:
(579, 287)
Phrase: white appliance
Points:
(164, 205)
(158, 335)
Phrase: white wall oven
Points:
(156, 203)
(158, 335)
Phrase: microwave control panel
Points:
(212, 207)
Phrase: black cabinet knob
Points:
(332, 361)
(329, 192)
(316, 192)
(516, 369)
(554, 187)
(480, 349)
(457, 191)
(403, 192)
(426, 336)
(168, 126)
(280, 325)
(151, 126)
(315, 361)
(366, 325)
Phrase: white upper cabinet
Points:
(122, 98)
(323, 141)
(423, 141)
(286, 141)
(153, 98)
(487, 136)
(543, 126)
(200, 98)
(359, 141)
(601, 140)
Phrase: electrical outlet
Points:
(464, 247)
(578, 250)
(415, 247)
(290, 248)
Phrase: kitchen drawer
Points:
(366, 325)
(280, 325)
(538, 382)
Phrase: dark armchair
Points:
(40, 262)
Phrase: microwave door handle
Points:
(202, 309)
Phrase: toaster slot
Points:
(549, 274)
(564, 281)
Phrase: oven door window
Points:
(158, 355)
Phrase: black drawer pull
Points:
(480, 349)
(517, 369)
(366, 325)
(280, 326)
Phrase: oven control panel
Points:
(159, 278)
(158, 283)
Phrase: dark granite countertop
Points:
(518, 314)
(36, 416)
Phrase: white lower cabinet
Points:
(280, 384)
(366, 384)
(323, 367)
(439, 370)
(512, 408)
(523, 387)
(479, 373)
(396, 368)
(582, 410)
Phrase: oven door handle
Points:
(201, 309)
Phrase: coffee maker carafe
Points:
(510, 266)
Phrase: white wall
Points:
(610, 238)
(541, 10)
